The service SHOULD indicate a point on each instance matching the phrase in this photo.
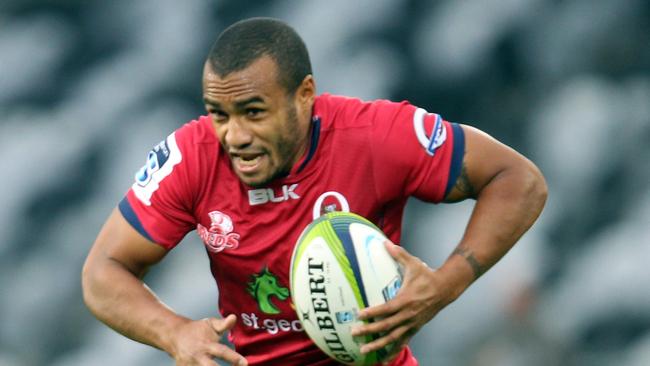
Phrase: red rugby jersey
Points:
(365, 157)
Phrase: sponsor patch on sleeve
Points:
(160, 163)
(433, 139)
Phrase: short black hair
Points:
(248, 40)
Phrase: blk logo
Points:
(261, 196)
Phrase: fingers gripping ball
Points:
(340, 266)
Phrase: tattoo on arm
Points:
(463, 188)
(463, 184)
(471, 260)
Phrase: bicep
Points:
(119, 243)
(484, 159)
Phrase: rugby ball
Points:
(340, 266)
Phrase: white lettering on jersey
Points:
(438, 135)
(271, 326)
(160, 163)
(263, 195)
(329, 202)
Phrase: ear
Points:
(306, 92)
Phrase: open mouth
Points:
(247, 163)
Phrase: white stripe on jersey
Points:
(157, 173)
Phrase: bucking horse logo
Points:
(262, 287)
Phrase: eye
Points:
(218, 116)
(254, 113)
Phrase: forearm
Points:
(505, 209)
(122, 301)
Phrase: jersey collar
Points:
(313, 144)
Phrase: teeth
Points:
(249, 162)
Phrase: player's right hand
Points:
(197, 343)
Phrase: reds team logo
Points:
(220, 236)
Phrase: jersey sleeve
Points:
(158, 204)
(416, 153)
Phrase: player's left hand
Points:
(419, 299)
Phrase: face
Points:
(263, 129)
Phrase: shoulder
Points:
(196, 132)
(197, 141)
(338, 111)
(177, 162)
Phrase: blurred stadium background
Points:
(87, 87)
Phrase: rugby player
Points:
(272, 154)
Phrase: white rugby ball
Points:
(340, 266)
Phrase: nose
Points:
(237, 134)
